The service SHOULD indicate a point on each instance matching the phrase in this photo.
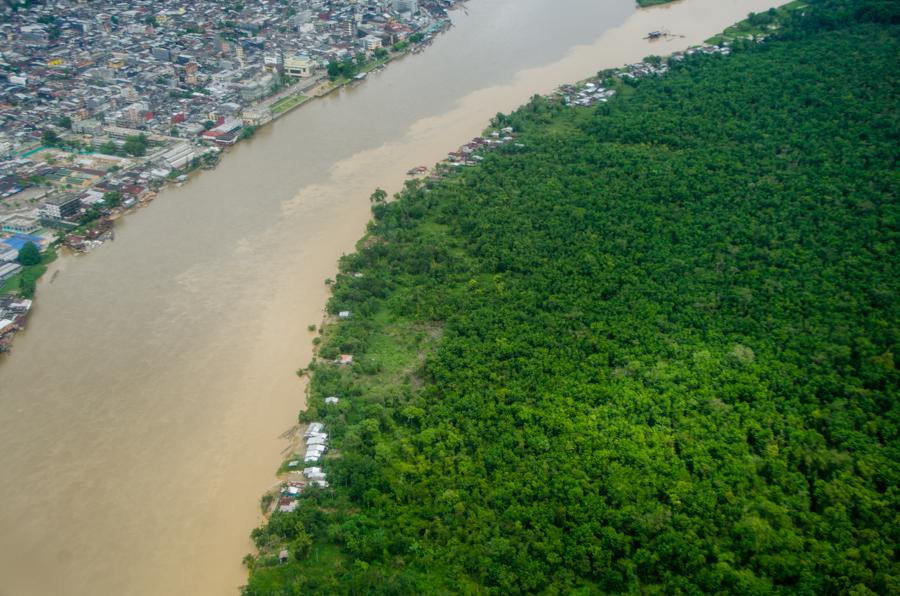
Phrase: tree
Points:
(334, 70)
(65, 122)
(27, 287)
(49, 137)
(29, 255)
(112, 198)
(302, 542)
(109, 148)
(379, 196)
(136, 145)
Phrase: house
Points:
(7, 270)
(331, 400)
(314, 453)
(344, 314)
(316, 476)
(19, 307)
(6, 325)
(283, 556)
(8, 256)
(314, 428)
(345, 359)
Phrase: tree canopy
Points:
(651, 350)
(29, 254)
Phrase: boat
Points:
(654, 35)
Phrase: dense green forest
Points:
(653, 350)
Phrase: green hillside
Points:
(652, 350)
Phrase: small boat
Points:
(654, 35)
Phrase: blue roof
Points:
(17, 241)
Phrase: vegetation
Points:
(136, 145)
(653, 350)
(49, 138)
(24, 283)
(758, 25)
(345, 68)
(29, 255)
(112, 199)
(286, 103)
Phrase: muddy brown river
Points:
(140, 412)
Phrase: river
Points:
(140, 412)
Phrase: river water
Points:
(140, 413)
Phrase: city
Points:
(104, 103)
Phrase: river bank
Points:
(172, 353)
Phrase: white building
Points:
(178, 156)
(372, 42)
(299, 66)
(411, 6)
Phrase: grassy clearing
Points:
(286, 103)
(759, 25)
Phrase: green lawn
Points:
(286, 103)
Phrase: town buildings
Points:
(107, 97)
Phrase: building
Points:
(273, 62)
(225, 133)
(7, 270)
(8, 256)
(19, 224)
(299, 66)
(256, 88)
(178, 156)
(256, 117)
(411, 6)
(372, 43)
(6, 325)
(61, 207)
